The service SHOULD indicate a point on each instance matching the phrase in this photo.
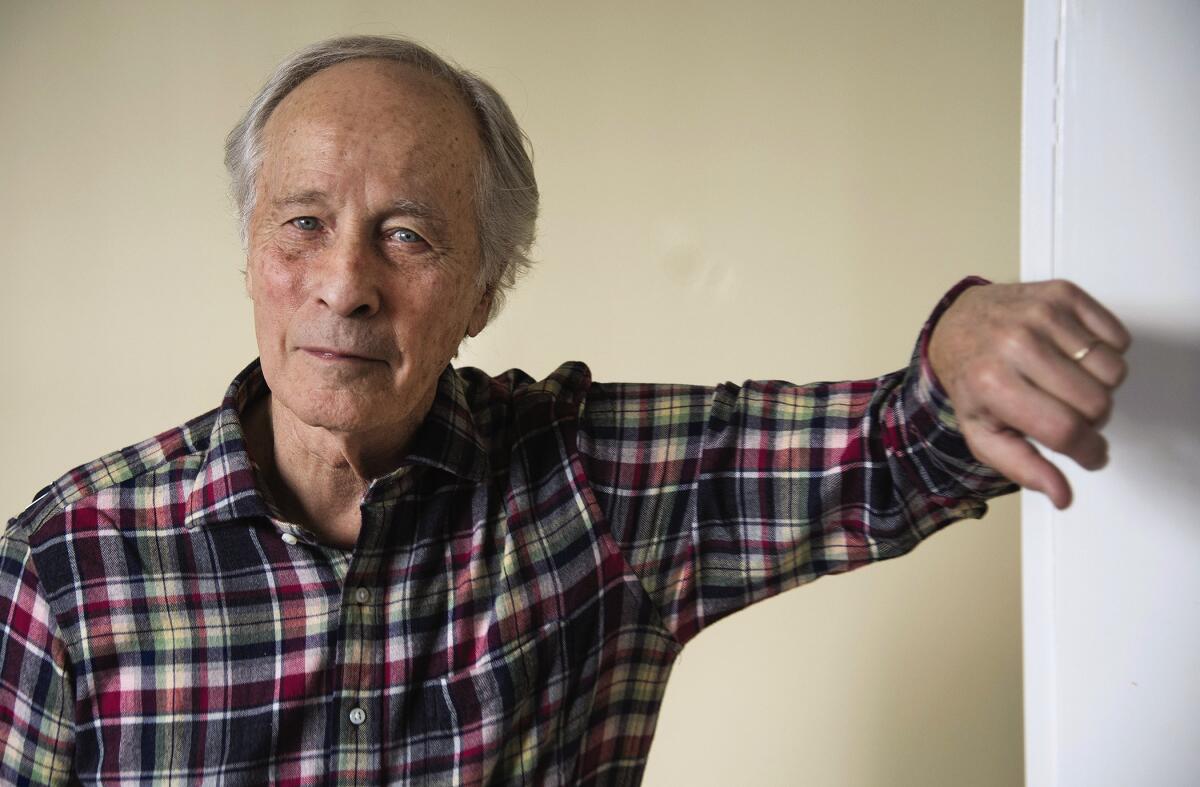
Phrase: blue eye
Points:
(306, 223)
(405, 235)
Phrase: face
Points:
(363, 255)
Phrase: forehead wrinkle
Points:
(380, 135)
(307, 197)
(401, 206)
(417, 210)
(365, 95)
(353, 106)
(330, 145)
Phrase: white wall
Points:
(1111, 199)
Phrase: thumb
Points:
(1011, 454)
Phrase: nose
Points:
(348, 284)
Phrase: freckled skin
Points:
(343, 266)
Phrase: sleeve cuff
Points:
(931, 423)
(929, 391)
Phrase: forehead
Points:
(372, 117)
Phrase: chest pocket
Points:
(491, 722)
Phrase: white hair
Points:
(506, 193)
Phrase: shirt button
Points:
(362, 595)
(358, 716)
(288, 538)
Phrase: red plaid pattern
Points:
(520, 589)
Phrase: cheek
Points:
(443, 324)
(278, 283)
(277, 289)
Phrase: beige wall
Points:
(781, 190)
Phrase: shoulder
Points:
(570, 380)
(570, 392)
(99, 483)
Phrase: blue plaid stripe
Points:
(520, 590)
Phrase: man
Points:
(366, 566)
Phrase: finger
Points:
(1016, 459)
(1097, 319)
(1017, 404)
(1102, 361)
(1042, 364)
(1105, 364)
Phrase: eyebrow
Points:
(401, 206)
(418, 210)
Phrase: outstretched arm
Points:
(720, 497)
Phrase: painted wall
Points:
(1111, 199)
(778, 189)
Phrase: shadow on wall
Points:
(1156, 417)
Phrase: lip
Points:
(330, 354)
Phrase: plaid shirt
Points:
(510, 614)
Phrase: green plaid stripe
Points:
(520, 590)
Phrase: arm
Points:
(722, 497)
(37, 734)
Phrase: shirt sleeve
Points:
(721, 497)
(37, 737)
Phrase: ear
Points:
(248, 279)
(479, 316)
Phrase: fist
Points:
(1036, 361)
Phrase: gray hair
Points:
(506, 193)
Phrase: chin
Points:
(338, 409)
(353, 403)
(335, 413)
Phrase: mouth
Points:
(336, 356)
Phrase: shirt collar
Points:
(224, 488)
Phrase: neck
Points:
(316, 476)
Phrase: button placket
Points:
(359, 657)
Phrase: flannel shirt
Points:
(511, 611)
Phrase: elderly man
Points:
(367, 566)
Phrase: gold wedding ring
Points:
(1079, 355)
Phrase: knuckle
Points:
(1017, 340)
(1065, 289)
(1120, 371)
(987, 378)
(1098, 408)
(1124, 340)
(1064, 432)
(1043, 312)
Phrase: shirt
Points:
(520, 588)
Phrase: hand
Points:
(1003, 353)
